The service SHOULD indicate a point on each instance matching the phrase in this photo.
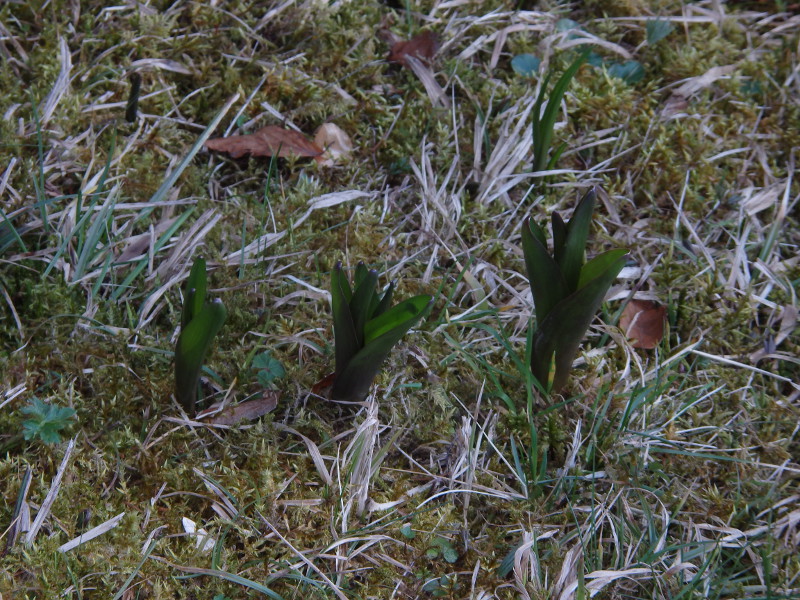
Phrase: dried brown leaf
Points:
(423, 47)
(267, 141)
(335, 143)
(250, 410)
(643, 323)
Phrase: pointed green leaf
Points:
(551, 164)
(536, 230)
(595, 267)
(385, 302)
(406, 311)
(192, 347)
(563, 329)
(539, 150)
(344, 334)
(559, 236)
(361, 272)
(362, 302)
(575, 244)
(194, 295)
(354, 381)
(544, 276)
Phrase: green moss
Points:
(683, 452)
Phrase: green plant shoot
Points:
(567, 292)
(365, 327)
(200, 322)
(544, 122)
(47, 421)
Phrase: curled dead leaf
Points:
(335, 144)
(643, 323)
(250, 410)
(422, 47)
(267, 141)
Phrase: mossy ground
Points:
(659, 474)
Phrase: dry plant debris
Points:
(643, 323)
(422, 47)
(267, 141)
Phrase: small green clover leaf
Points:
(268, 368)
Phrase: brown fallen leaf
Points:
(423, 47)
(267, 141)
(324, 385)
(250, 410)
(335, 144)
(643, 323)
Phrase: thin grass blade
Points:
(548, 119)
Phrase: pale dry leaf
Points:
(695, 84)
(758, 199)
(423, 47)
(335, 143)
(267, 141)
(643, 323)
(250, 410)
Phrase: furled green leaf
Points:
(563, 329)
(360, 274)
(193, 345)
(194, 295)
(559, 236)
(344, 334)
(544, 276)
(539, 149)
(575, 243)
(385, 302)
(361, 304)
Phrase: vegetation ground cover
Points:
(669, 472)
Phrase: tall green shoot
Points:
(200, 322)
(567, 291)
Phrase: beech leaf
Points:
(249, 410)
(423, 46)
(643, 323)
(267, 141)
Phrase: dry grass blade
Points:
(55, 487)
